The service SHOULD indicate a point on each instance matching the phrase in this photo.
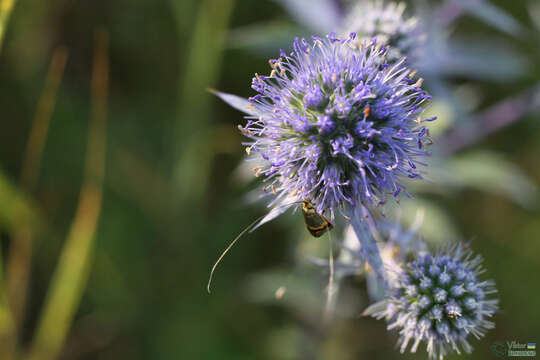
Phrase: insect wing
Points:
(316, 224)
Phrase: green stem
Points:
(6, 7)
(200, 72)
(71, 274)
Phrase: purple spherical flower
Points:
(440, 300)
(337, 125)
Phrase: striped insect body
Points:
(316, 223)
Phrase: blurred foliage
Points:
(171, 200)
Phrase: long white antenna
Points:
(238, 238)
(227, 250)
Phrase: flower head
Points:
(440, 300)
(374, 18)
(337, 125)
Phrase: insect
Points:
(316, 223)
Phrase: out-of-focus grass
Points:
(19, 215)
(71, 274)
(192, 152)
(6, 7)
(20, 254)
(17, 208)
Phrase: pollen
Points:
(367, 111)
(257, 170)
(280, 292)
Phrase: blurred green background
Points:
(115, 266)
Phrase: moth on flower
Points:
(316, 223)
(336, 125)
(335, 128)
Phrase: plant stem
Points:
(200, 71)
(71, 274)
(6, 7)
(20, 254)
